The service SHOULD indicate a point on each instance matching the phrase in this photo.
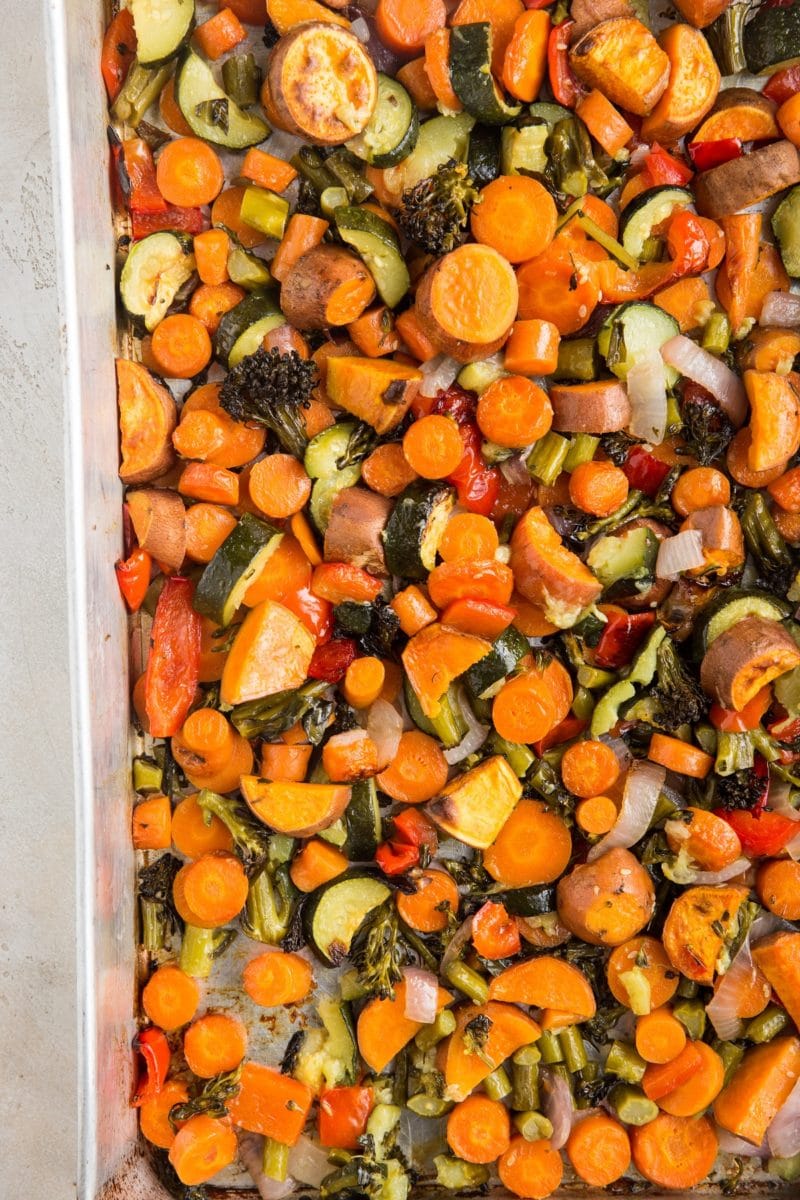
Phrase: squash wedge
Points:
(271, 653)
(475, 806)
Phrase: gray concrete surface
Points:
(37, 886)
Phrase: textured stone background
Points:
(37, 886)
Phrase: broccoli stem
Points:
(200, 947)
(717, 333)
(468, 981)
(251, 840)
(546, 460)
(154, 925)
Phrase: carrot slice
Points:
(674, 1152)
(277, 978)
(479, 1129)
(214, 1043)
(464, 1066)
(533, 847)
(545, 982)
(599, 1149)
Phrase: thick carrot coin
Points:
(403, 25)
(523, 709)
(277, 978)
(778, 888)
(279, 485)
(596, 815)
(697, 1093)
(598, 488)
(701, 487)
(660, 1037)
(152, 820)
(210, 302)
(479, 1129)
(418, 771)
(214, 1043)
(589, 768)
(317, 863)
(202, 1148)
(181, 346)
(435, 896)
(387, 471)
(170, 997)
(363, 681)
(468, 536)
(531, 1170)
(559, 288)
(433, 447)
(674, 1152)
(189, 173)
(514, 411)
(191, 836)
(516, 216)
(154, 1121)
(533, 847)
(599, 1149)
(210, 891)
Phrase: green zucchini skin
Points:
(374, 241)
(393, 128)
(734, 605)
(415, 528)
(241, 330)
(233, 568)
(362, 818)
(162, 28)
(786, 228)
(145, 297)
(227, 125)
(333, 912)
(506, 652)
(483, 158)
(772, 39)
(471, 74)
(648, 210)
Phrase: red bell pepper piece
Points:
(665, 168)
(133, 577)
(621, 637)
(706, 155)
(784, 84)
(395, 858)
(177, 220)
(315, 613)
(564, 86)
(732, 720)
(342, 581)
(784, 728)
(173, 667)
(142, 192)
(477, 485)
(343, 1113)
(330, 662)
(762, 834)
(153, 1048)
(411, 826)
(494, 933)
(571, 727)
(119, 51)
(644, 471)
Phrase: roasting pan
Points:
(114, 1163)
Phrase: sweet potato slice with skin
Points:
(742, 182)
(693, 86)
(383, 1029)
(271, 653)
(608, 901)
(623, 59)
(547, 573)
(378, 391)
(436, 656)
(358, 518)
(697, 926)
(159, 522)
(588, 13)
(147, 417)
(739, 113)
(774, 419)
(475, 806)
(509, 1030)
(326, 286)
(760, 1086)
(601, 407)
(779, 959)
(745, 658)
(546, 982)
(297, 809)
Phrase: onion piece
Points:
(422, 995)
(361, 29)
(681, 552)
(557, 1107)
(473, 739)
(456, 944)
(724, 874)
(783, 1135)
(643, 786)
(729, 1143)
(515, 469)
(721, 1008)
(308, 1162)
(437, 374)
(792, 848)
(781, 309)
(251, 1153)
(384, 726)
(647, 392)
(697, 364)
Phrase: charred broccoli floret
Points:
(379, 951)
(680, 698)
(741, 789)
(270, 388)
(250, 838)
(435, 212)
(706, 429)
(159, 919)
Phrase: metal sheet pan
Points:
(113, 1162)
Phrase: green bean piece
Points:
(692, 1016)
(688, 987)
(276, 1160)
(572, 1048)
(348, 173)
(582, 449)
(146, 776)
(731, 1054)
(766, 1025)
(550, 1047)
(716, 334)
(428, 1106)
(577, 360)
(562, 1070)
(520, 758)
(141, 88)
(546, 460)
(309, 163)
(631, 1105)
(533, 1126)
(468, 981)
(400, 1079)
(241, 79)
(525, 1083)
(430, 1035)
(624, 1062)
(498, 1085)
(583, 703)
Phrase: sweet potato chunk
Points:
(694, 81)
(436, 656)
(271, 653)
(699, 924)
(745, 658)
(147, 417)
(774, 419)
(623, 59)
(547, 573)
(376, 390)
(761, 1084)
(779, 959)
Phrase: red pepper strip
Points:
(343, 1113)
(706, 155)
(571, 727)
(564, 86)
(494, 933)
(395, 858)
(143, 193)
(644, 471)
(178, 220)
(411, 827)
(341, 581)
(621, 637)
(665, 168)
(133, 577)
(315, 613)
(330, 662)
(477, 485)
(784, 727)
(173, 667)
(762, 834)
(732, 720)
(529, 4)
(784, 84)
(687, 246)
(119, 51)
(152, 1045)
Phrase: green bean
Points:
(717, 333)
(731, 1055)
(430, 1035)
(572, 1048)
(766, 1025)
(497, 1085)
(276, 1160)
(468, 981)
(533, 1126)
(624, 1062)
(550, 1047)
(631, 1105)
(525, 1083)
(241, 78)
(146, 776)
(428, 1106)
(692, 1015)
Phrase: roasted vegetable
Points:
(435, 211)
(271, 389)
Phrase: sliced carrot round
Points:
(694, 1096)
(433, 446)
(468, 536)
(170, 997)
(599, 1149)
(589, 768)
(533, 847)
(531, 1170)
(418, 772)
(214, 1043)
(649, 955)
(189, 172)
(516, 216)
(426, 908)
(279, 485)
(191, 836)
(277, 978)
(479, 1129)
(181, 346)
(674, 1152)
(523, 709)
(154, 1121)
(514, 411)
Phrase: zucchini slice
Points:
(363, 821)
(632, 329)
(786, 228)
(328, 1056)
(471, 74)
(449, 726)
(210, 112)
(241, 331)
(326, 449)
(506, 652)
(162, 27)
(732, 606)
(373, 239)
(547, 113)
(325, 491)
(333, 913)
(415, 528)
(392, 131)
(235, 565)
(522, 150)
(625, 563)
(647, 211)
(483, 157)
(440, 140)
(155, 270)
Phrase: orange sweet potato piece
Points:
(745, 658)
(694, 81)
(383, 1029)
(739, 113)
(436, 656)
(697, 926)
(271, 653)
(774, 419)
(510, 1029)
(760, 1085)
(547, 573)
(545, 982)
(623, 59)
(779, 959)
(147, 417)
(297, 809)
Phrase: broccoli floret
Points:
(679, 695)
(741, 789)
(379, 951)
(270, 388)
(274, 714)
(159, 919)
(770, 551)
(211, 1098)
(251, 840)
(706, 429)
(435, 212)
